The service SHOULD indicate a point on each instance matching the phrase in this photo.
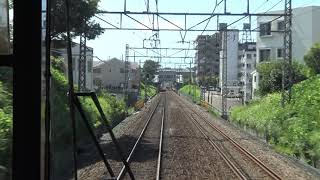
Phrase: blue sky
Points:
(112, 42)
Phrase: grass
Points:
(193, 91)
(151, 91)
(294, 129)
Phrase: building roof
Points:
(60, 44)
(174, 70)
(97, 63)
(132, 65)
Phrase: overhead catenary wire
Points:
(214, 9)
(246, 16)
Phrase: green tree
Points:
(271, 75)
(211, 81)
(312, 58)
(81, 14)
(149, 69)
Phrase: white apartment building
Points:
(232, 61)
(111, 75)
(247, 55)
(305, 33)
(75, 63)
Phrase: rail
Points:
(245, 152)
(123, 170)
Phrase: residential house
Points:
(305, 33)
(111, 75)
(58, 49)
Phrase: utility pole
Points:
(139, 87)
(190, 82)
(82, 59)
(224, 88)
(126, 76)
(134, 57)
(145, 89)
(287, 60)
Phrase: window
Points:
(265, 29)
(281, 26)
(249, 56)
(264, 54)
(254, 78)
(121, 70)
(280, 53)
(249, 66)
(254, 55)
(97, 70)
(110, 70)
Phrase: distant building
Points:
(305, 33)
(167, 75)
(255, 80)
(207, 56)
(111, 75)
(232, 61)
(58, 49)
(174, 75)
(247, 55)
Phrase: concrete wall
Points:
(232, 57)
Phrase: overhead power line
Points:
(214, 9)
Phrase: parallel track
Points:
(245, 152)
(123, 170)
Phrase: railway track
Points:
(237, 170)
(148, 145)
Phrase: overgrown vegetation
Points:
(193, 91)
(271, 75)
(149, 70)
(293, 130)
(5, 119)
(61, 125)
(312, 58)
(151, 90)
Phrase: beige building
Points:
(111, 75)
